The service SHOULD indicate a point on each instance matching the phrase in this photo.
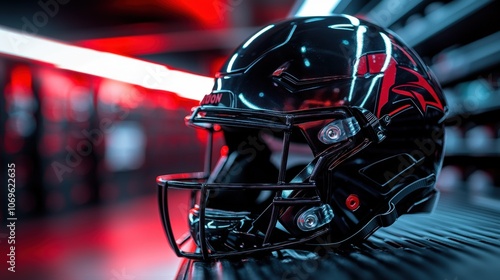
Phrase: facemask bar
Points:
(187, 178)
(166, 182)
(274, 121)
(281, 181)
(171, 181)
(278, 202)
(193, 181)
(208, 154)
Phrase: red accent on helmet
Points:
(352, 202)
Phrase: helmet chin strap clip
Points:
(372, 125)
(342, 129)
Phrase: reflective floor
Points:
(120, 242)
(460, 240)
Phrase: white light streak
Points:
(231, 62)
(249, 41)
(316, 8)
(106, 65)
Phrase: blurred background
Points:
(90, 129)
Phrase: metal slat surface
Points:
(459, 240)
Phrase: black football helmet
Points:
(333, 128)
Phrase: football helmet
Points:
(333, 128)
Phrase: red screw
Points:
(352, 202)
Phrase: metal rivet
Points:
(311, 221)
(333, 132)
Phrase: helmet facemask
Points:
(270, 191)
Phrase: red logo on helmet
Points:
(211, 99)
(419, 91)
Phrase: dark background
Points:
(85, 195)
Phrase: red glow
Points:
(21, 78)
(224, 151)
(216, 65)
(128, 45)
(209, 13)
(114, 92)
(19, 87)
(54, 89)
(137, 45)
(97, 243)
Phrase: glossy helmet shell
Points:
(342, 61)
(313, 67)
